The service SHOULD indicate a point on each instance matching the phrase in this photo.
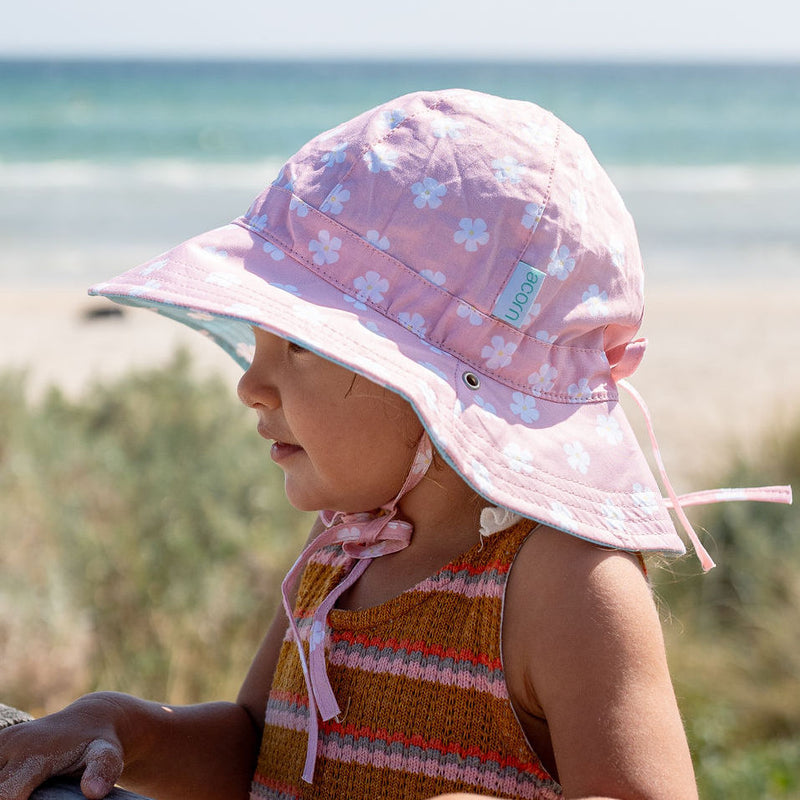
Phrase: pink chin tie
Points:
(763, 494)
(363, 536)
(624, 360)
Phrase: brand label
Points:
(517, 297)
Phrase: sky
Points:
(727, 30)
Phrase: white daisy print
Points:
(275, 253)
(243, 310)
(577, 200)
(428, 395)
(580, 391)
(481, 476)
(532, 216)
(212, 251)
(371, 286)
(246, 351)
(317, 635)
(428, 192)
(335, 201)
(466, 312)
(617, 250)
(538, 134)
(357, 304)
(499, 353)
(533, 311)
(371, 326)
(280, 176)
(381, 158)
(543, 379)
(308, 313)
(437, 277)
(646, 499)
(613, 516)
(596, 300)
(544, 336)
(393, 117)
(586, 167)
(139, 290)
(325, 249)
(447, 126)
(335, 156)
(287, 287)
(524, 406)
(507, 169)
(376, 240)
(563, 515)
(259, 223)
(518, 459)
(488, 407)
(153, 266)
(561, 264)
(414, 322)
(471, 233)
(224, 279)
(608, 429)
(577, 457)
(296, 204)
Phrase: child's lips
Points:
(279, 449)
(282, 450)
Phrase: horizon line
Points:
(409, 58)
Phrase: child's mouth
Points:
(281, 450)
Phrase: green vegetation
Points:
(145, 534)
(733, 635)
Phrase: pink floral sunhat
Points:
(469, 253)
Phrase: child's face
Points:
(343, 442)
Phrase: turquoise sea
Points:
(103, 163)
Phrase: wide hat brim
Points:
(534, 456)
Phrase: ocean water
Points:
(105, 163)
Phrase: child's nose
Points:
(255, 389)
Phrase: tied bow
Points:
(363, 536)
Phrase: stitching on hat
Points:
(545, 202)
(598, 395)
(389, 132)
(356, 240)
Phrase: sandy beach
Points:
(722, 367)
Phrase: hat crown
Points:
(469, 191)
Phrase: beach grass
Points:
(732, 634)
(145, 533)
(145, 537)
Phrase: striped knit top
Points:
(426, 710)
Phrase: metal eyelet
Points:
(471, 380)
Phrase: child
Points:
(435, 304)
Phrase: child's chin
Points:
(300, 498)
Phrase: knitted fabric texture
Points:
(420, 679)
